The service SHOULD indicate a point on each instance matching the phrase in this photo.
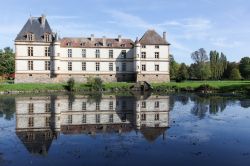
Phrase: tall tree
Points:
(182, 73)
(174, 67)
(7, 63)
(245, 67)
(218, 64)
(199, 56)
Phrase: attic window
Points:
(97, 44)
(82, 44)
(30, 36)
(123, 45)
(68, 44)
(47, 37)
(109, 44)
(143, 46)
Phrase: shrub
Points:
(95, 83)
(235, 74)
(70, 84)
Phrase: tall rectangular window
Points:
(97, 106)
(124, 54)
(143, 67)
(97, 116)
(69, 53)
(83, 66)
(47, 121)
(143, 104)
(110, 66)
(143, 117)
(157, 68)
(47, 65)
(84, 53)
(47, 51)
(83, 106)
(30, 65)
(143, 55)
(111, 53)
(157, 117)
(111, 118)
(111, 105)
(30, 37)
(156, 55)
(47, 107)
(69, 66)
(69, 119)
(30, 51)
(84, 119)
(157, 104)
(31, 122)
(31, 108)
(124, 66)
(97, 53)
(97, 66)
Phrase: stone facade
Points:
(43, 57)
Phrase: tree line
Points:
(7, 62)
(209, 67)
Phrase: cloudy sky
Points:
(222, 25)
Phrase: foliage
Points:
(199, 56)
(182, 73)
(228, 71)
(7, 63)
(95, 83)
(218, 64)
(245, 67)
(70, 84)
(174, 67)
(235, 74)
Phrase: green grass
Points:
(31, 87)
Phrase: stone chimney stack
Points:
(119, 38)
(92, 37)
(43, 19)
(104, 41)
(164, 36)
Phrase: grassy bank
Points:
(192, 86)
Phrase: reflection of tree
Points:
(199, 110)
(94, 98)
(217, 104)
(182, 98)
(7, 107)
(245, 103)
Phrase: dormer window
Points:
(97, 44)
(82, 44)
(123, 45)
(30, 36)
(47, 37)
(68, 44)
(109, 44)
(143, 46)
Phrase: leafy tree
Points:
(95, 83)
(218, 64)
(245, 67)
(235, 74)
(199, 56)
(228, 71)
(182, 73)
(7, 62)
(174, 67)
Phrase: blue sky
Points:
(222, 25)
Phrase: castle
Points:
(41, 56)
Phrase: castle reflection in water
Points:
(40, 120)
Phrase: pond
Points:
(176, 129)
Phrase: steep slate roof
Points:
(86, 42)
(152, 38)
(34, 26)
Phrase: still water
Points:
(181, 129)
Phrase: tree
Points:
(235, 74)
(182, 73)
(218, 64)
(174, 67)
(228, 71)
(199, 56)
(7, 63)
(245, 67)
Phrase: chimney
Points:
(119, 38)
(92, 37)
(43, 18)
(164, 36)
(104, 41)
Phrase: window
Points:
(124, 54)
(110, 66)
(69, 119)
(111, 118)
(157, 104)
(143, 67)
(117, 68)
(70, 105)
(69, 66)
(30, 37)
(156, 116)
(84, 53)
(47, 121)
(31, 122)
(97, 106)
(31, 108)
(47, 51)
(97, 66)
(109, 44)
(143, 46)
(30, 65)
(84, 119)
(111, 105)
(69, 53)
(68, 44)
(157, 46)
(47, 65)
(47, 37)
(156, 55)
(97, 53)
(111, 52)
(97, 118)
(122, 45)
(82, 44)
(143, 55)
(124, 66)
(143, 104)
(30, 51)
(83, 66)
(47, 107)
(157, 67)
(83, 106)
(143, 117)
